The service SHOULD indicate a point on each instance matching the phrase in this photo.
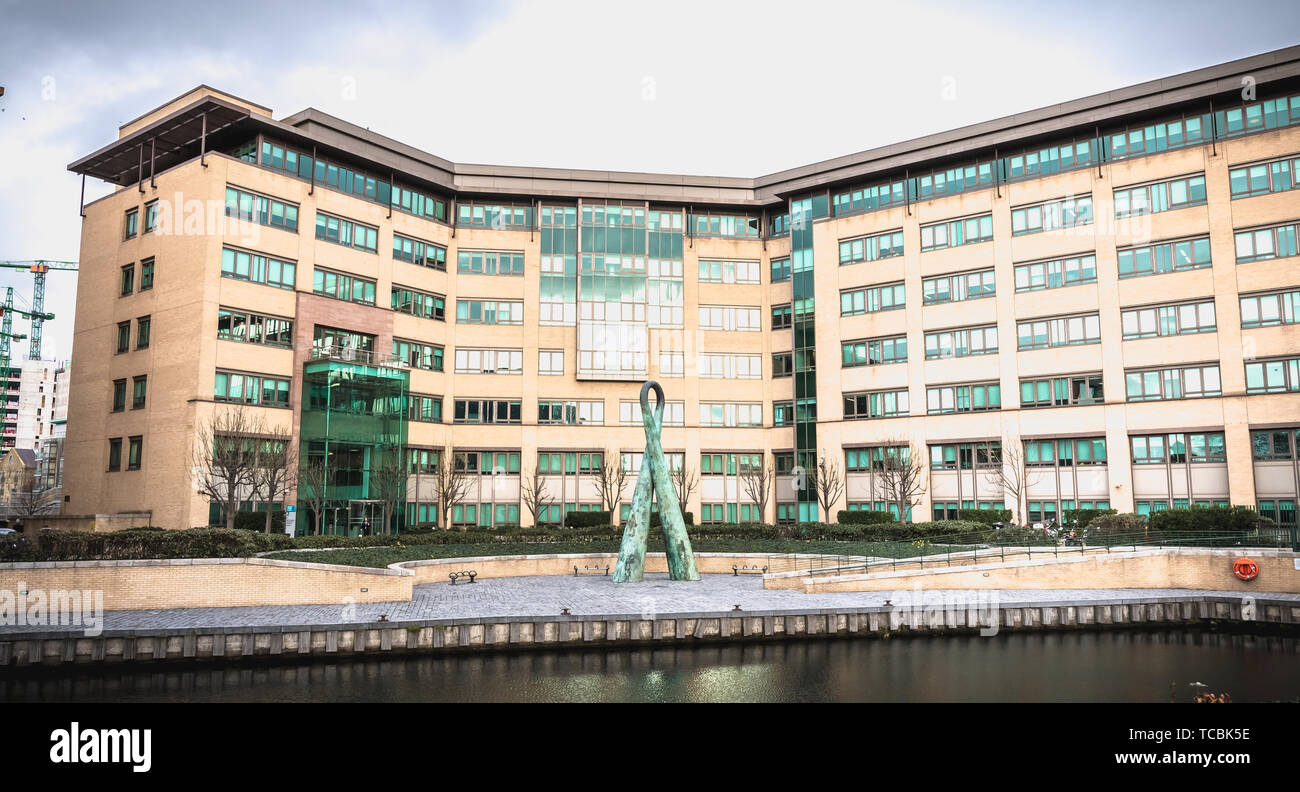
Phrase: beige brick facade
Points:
(184, 352)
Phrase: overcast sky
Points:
(728, 89)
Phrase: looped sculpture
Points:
(654, 483)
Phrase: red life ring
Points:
(1245, 569)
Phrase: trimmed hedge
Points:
(579, 519)
(687, 518)
(144, 543)
(863, 517)
(1227, 520)
(985, 516)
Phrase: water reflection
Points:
(1108, 666)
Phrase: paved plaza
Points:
(547, 596)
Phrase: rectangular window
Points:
(1178, 448)
(880, 404)
(234, 324)
(783, 413)
(142, 332)
(487, 411)
(961, 342)
(1056, 273)
(128, 280)
(1265, 177)
(780, 269)
(1281, 375)
(871, 248)
(1061, 391)
(418, 355)
(138, 385)
(254, 267)
(146, 274)
(1066, 452)
(955, 288)
(629, 413)
(782, 318)
(501, 217)
(1265, 310)
(1167, 320)
(730, 414)
(415, 251)
(119, 395)
(729, 317)
(966, 456)
(261, 209)
(115, 453)
(782, 364)
(243, 388)
(418, 303)
(571, 413)
(727, 225)
(550, 362)
(348, 233)
(1164, 257)
(489, 361)
(1051, 215)
(123, 337)
(975, 397)
(672, 364)
(490, 262)
(872, 299)
(1274, 444)
(1182, 382)
(952, 233)
(132, 223)
(426, 409)
(712, 366)
(1064, 331)
(1261, 244)
(342, 286)
(496, 312)
(874, 351)
(713, 271)
(1161, 196)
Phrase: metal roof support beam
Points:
(203, 141)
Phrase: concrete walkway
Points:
(590, 595)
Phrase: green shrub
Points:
(1108, 526)
(1019, 536)
(1218, 520)
(863, 517)
(140, 543)
(1080, 518)
(256, 521)
(579, 519)
(687, 518)
(985, 516)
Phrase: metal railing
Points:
(365, 357)
(970, 549)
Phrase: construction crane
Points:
(38, 316)
(7, 335)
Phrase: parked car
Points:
(4, 531)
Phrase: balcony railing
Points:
(364, 357)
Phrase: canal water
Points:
(1023, 667)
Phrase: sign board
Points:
(290, 519)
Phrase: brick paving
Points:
(546, 596)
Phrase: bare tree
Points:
(1014, 476)
(684, 481)
(611, 478)
(756, 481)
(225, 457)
(454, 484)
(828, 482)
(315, 477)
(388, 486)
(902, 477)
(536, 495)
(274, 465)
